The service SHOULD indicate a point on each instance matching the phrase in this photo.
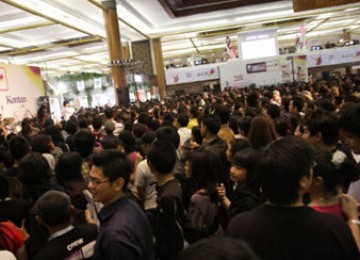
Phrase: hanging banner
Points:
(191, 74)
(334, 56)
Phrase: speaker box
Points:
(123, 97)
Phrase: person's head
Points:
(244, 125)
(70, 127)
(109, 113)
(202, 167)
(55, 133)
(53, 209)
(139, 129)
(169, 134)
(182, 120)
(350, 125)
(144, 118)
(109, 127)
(128, 141)
(217, 248)
(146, 141)
(235, 146)
(243, 168)
(285, 170)
(210, 125)
(193, 112)
(97, 123)
(223, 112)
(161, 157)
(26, 125)
(196, 135)
(320, 128)
(42, 143)
(262, 131)
(296, 105)
(19, 147)
(333, 170)
(273, 110)
(109, 175)
(69, 167)
(84, 142)
(34, 170)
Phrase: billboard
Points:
(20, 87)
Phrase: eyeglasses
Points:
(95, 181)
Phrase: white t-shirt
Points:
(145, 179)
(6, 255)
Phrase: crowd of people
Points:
(251, 173)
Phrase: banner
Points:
(334, 56)
(20, 87)
(191, 74)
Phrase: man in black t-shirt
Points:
(65, 241)
(285, 228)
(168, 223)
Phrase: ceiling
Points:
(66, 36)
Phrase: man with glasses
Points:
(124, 229)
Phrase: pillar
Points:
(159, 66)
(115, 49)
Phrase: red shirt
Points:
(10, 237)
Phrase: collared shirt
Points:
(124, 231)
(61, 232)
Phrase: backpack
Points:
(202, 218)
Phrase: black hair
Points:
(34, 170)
(183, 119)
(222, 112)
(70, 127)
(54, 208)
(283, 163)
(168, 133)
(114, 164)
(238, 145)
(212, 123)
(299, 103)
(84, 142)
(273, 110)
(204, 171)
(69, 167)
(41, 143)
(128, 141)
(350, 119)
(244, 124)
(335, 172)
(97, 123)
(196, 134)
(324, 123)
(148, 138)
(139, 129)
(248, 159)
(162, 155)
(19, 147)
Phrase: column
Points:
(159, 66)
(115, 50)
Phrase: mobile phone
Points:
(90, 204)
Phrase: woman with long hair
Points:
(202, 214)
